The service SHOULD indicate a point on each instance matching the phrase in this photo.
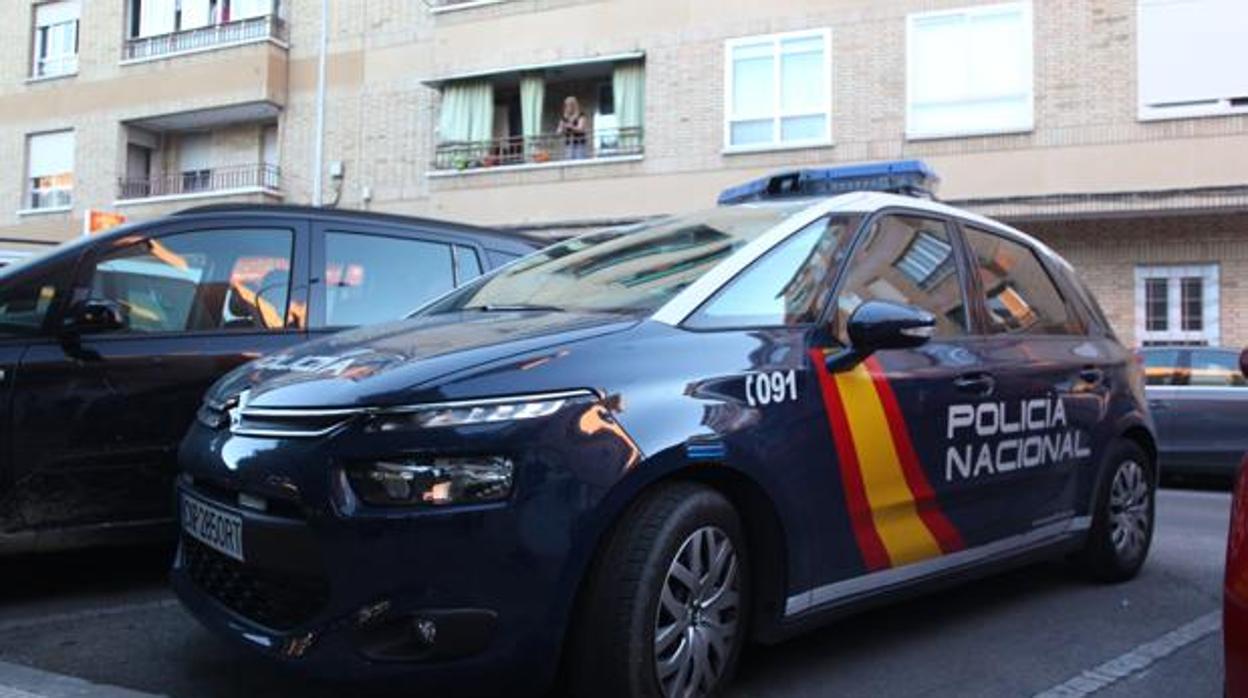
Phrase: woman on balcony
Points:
(574, 127)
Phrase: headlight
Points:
(433, 482)
(470, 412)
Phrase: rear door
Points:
(366, 274)
(1207, 413)
(1027, 441)
(97, 422)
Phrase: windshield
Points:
(635, 269)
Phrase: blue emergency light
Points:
(909, 177)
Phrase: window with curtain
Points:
(467, 112)
(778, 90)
(56, 38)
(1192, 58)
(50, 170)
(969, 71)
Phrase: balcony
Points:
(547, 148)
(244, 31)
(259, 178)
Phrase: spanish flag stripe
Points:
(925, 498)
(874, 555)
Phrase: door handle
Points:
(976, 384)
(1095, 376)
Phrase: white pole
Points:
(318, 193)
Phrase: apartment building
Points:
(1115, 130)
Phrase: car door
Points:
(1032, 434)
(366, 274)
(1164, 370)
(97, 417)
(1206, 414)
(28, 301)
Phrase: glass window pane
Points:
(803, 86)
(373, 278)
(1211, 367)
(467, 264)
(1192, 303)
(788, 286)
(803, 44)
(1021, 295)
(753, 132)
(886, 267)
(753, 87)
(1156, 305)
(997, 57)
(938, 60)
(24, 306)
(1161, 366)
(204, 280)
(804, 128)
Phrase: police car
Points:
(619, 459)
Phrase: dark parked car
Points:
(630, 452)
(107, 344)
(1199, 401)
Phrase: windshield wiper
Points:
(511, 308)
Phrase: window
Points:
(788, 286)
(779, 91)
(1217, 369)
(467, 264)
(24, 306)
(56, 39)
(157, 17)
(884, 268)
(969, 71)
(1161, 367)
(1177, 305)
(1021, 296)
(200, 281)
(50, 170)
(372, 278)
(1191, 58)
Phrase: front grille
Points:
(275, 600)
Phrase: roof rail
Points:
(908, 177)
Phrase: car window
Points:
(237, 279)
(1020, 294)
(467, 264)
(788, 286)
(375, 278)
(499, 258)
(1211, 367)
(1161, 367)
(907, 260)
(24, 305)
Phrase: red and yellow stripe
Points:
(892, 507)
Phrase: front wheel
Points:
(665, 615)
(1122, 523)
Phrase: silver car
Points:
(1199, 400)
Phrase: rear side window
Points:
(1218, 369)
(499, 258)
(1161, 367)
(787, 286)
(467, 264)
(908, 260)
(375, 278)
(24, 306)
(1020, 294)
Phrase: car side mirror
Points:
(96, 315)
(878, 325)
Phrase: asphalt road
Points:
(106, 618)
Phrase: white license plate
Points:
(214, 527)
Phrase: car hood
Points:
(385, 364)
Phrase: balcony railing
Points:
(220, 179)
(537, 150)
(243, 30)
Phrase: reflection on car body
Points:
(1199, 399)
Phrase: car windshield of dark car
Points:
(635, 269)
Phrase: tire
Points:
(638, 620)
(1122, 523)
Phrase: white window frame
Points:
(1214, 105)
(912, 20)
(28, 190)
(65, 64)
(1174, 333)
(778, 115)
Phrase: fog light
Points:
(433, 482)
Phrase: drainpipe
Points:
(318, 189)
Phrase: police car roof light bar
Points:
(908, 177)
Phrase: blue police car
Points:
(619, 459)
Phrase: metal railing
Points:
(202, 181)
(533, 150)
(251, 29)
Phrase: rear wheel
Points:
(665, 613)
(1122, 525)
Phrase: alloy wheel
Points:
(1130, 498)
(695, 629)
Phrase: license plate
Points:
(214, 527)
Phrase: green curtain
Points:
(532, 97)
(467, 112)
(629, 86)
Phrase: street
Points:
(106, 618)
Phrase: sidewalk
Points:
(17, 681)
